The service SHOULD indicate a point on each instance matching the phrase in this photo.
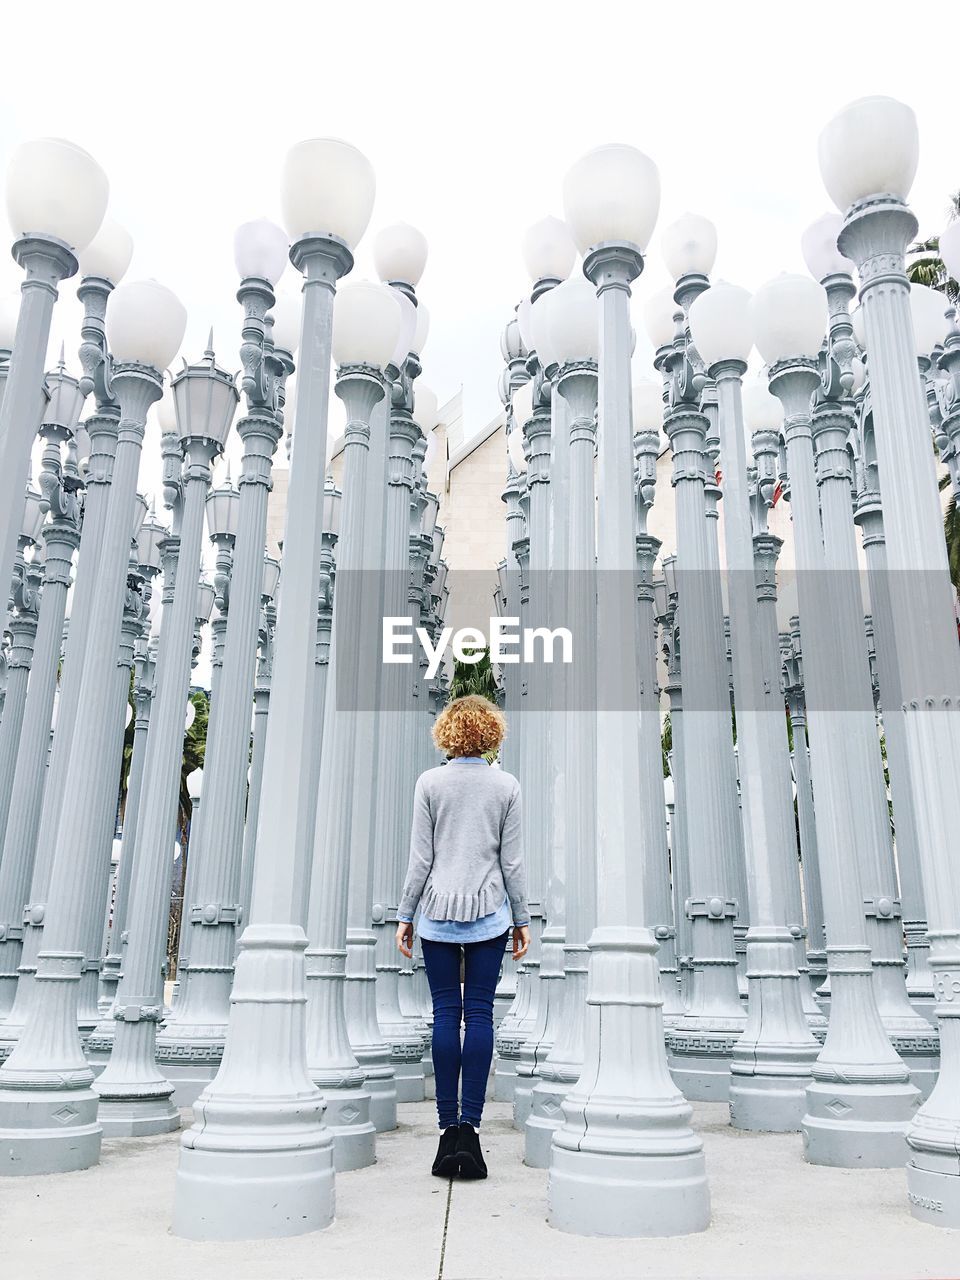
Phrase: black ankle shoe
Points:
(447, 1163)
(472, 1163)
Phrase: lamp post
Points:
(625, 1146)
(33, 821)
(135, 1096)
(261, 707)
(771, 1061)
(258, 1129)
(60, 484)
(400, 254)
(868, 157)
(572, 342)
(149, 556)
(790, 652)
(833, 425)
(763, 418)
(367, 322)
(190, 1046)
(46, 1073)
(860, 1100)
(56, 199)
(702, 1040)
(222, 503)
(22, 626)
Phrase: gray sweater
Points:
(466, 852)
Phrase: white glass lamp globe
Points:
(859, 370)
(819, 247)
(166, 412)
(659, 317)
(927, 307)
(689, 246)
(548, 250)
(431, 452)
(189, 716)
(515, 450)
(859, 328)
(762, 411)
(286, 313)
(328, 188)
(195, 779)
(422, 330)
(720, 323)
(408, 329)
(573, 321)
(525, 325)
(612, 193)
(869, 147)
(541, 330)
(260, 250)
(55, 188)
(145, 323)
(647, 405)
(523, 403)
(400, 253)
(426, 410)
(9, 312)
(950, 248)
(109, 252)
(366, 323)
(789, 317)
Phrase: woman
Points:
(466, 876)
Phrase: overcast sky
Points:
(470, 114)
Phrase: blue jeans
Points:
(474, 1008)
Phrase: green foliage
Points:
(194, 749)
(928, 267)
(951, 529)
(666, 743)
(475, 678)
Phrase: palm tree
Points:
(475, 678)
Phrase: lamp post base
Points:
(138, 1117)
(546, 1112)
(253, 1194)
(700, 1060)
(505, 1072)
(58, 1133)
(933, 1189)
(851, 1125)
(625, 1162)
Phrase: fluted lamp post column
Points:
(47, 1108)
(37, 792)
(135, 1096)
(868, 158)
(860, 1100)
(258, 1161)
(367, 323)
(191, 1044)
(571, 344)
(833, 428)
(625, 1149)
(56, 199)
(771, 1063)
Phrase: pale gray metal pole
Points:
(875, 235)
(261, 710)
(59, 481)
(22, 627)
(46, 1073)
(772, 1060)
(333, 1065)
(46, 261)
(861, 1099)
(393, 771)
(38, 791)
(869, 516)
(577, 385)
(626, 1146)
(359, 988)
(702, 1040)
(135, 1096)
(190, 1045)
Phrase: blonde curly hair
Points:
(470, 726)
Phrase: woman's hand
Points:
(405, 938)
(521, 941)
